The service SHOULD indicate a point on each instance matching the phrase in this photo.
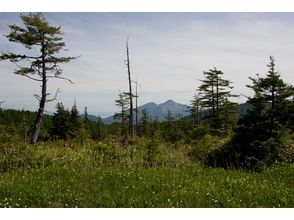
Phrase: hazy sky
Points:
(168, 53)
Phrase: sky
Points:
(168, 54)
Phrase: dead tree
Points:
(136, 96)
(131, 121)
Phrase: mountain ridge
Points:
(157, 111)
(160, 111)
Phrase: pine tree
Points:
(122, 102)
(170, 128)
(144, 124)
(215, 91)
(272, 95)
(1, 102)
(37, 35)
(86, 119)
(259, 137)
(195, 109)
(228, 117)
(75, 122)
(99, 133)
(61, 122)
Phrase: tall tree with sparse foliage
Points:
(215, 92)
(40, 63)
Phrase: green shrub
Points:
(205, 146)
(253, 156)
(152, 151)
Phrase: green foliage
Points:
(108, 154)
(151, 157)
(122, 102)
(68, 125)
(202, 148)
(260, 136)
(213, 97)
(88, 186)
(171, 131)
(195, 109)
(61, 122)
(144, 128)
(198, 132)
(104, 174)
(86, 119)
(40, 63)
(75, 121)
(98, 131)
(37, 33)
(19, 123)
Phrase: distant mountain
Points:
(155, 111)
(175, 108)
(90, 117)
(158, 112)
(242, 109)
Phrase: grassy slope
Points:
(63, 174)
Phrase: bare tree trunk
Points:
(136, 108)
(217, 97)
(213, 103)
(131, 123)
(38, 121)
(122, 121)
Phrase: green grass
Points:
(106, 175)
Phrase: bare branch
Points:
(52, 67)
(39, 80)
(59, 77)
(55, 97)
(128, 94)
(241, 94)
(37, 97)
(136, 83)
(35, 69)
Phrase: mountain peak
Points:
(170, 101)
(150, 103)
(158, 112)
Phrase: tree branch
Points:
(16, 57)
(39, 80)
(55, 97)
(59, 77)
(37, 97)
(37, 70)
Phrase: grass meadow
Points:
(143, 174)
